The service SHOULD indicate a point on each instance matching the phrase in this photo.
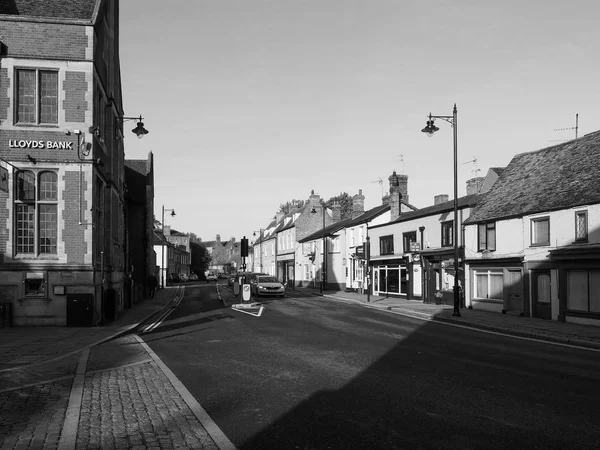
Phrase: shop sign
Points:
(360, 251)
(415, 246)
(24, 143)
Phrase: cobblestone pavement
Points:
(32, 417)
(127, 402)
(134, 405)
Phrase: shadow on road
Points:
(447, 388)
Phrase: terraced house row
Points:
(528, 240)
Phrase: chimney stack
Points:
(218, 238)
(336, 213)
(474, 185)
(358, 204)
(442, 198)
(403, 187)
(395, 196)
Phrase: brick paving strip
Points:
(117, 395)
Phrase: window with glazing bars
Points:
(37, 96)
(581, 226)
(36, 234)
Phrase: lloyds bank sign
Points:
(24, 143)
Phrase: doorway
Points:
(541, 290)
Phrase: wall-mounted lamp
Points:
(32, 159)
(139, 129)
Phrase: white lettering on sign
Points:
(24, 143)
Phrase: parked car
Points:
(174, 277)
(222, 275)
(184, 277)
(211, 276)
(193, 277)
(261, 284)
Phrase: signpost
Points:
(245, 305)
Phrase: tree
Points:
(345, 201)
(287, 207)
(200, 258)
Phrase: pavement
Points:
(60, 387)
(587, 336)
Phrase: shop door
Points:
(382, 280)
(515, 291)
(540, 281)
(290, 275)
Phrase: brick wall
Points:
(5, 88)
(76, 246)
(75, 88)
(44, 40)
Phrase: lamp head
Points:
(139, 130)
(173, 213)
(313, 210)
(430, 128)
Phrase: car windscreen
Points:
(268, 280)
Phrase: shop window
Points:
(540, 231)
(407, 239)
(486, 237)
(448, 233)
(489, 284)
(582, 290)
(581, 226)
(37, 96)
(36, 212)
(386, 245)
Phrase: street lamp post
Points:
(429, 130)
(324, 262)
(163, 269)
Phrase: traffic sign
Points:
(246, 292)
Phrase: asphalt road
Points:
(312, 373)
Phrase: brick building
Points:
(63, 250)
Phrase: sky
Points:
(252, 103)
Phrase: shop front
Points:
(438, 276)
(285, 269)
(392, 277)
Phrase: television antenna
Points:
(475, 169)
(380, 181)
(576, 128)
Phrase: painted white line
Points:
(209, 425)
(466, 327)
(68, 436)
(178, 298)
(260, 310)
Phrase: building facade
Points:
(62, 240)
(535, 236)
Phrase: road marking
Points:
(245, 310)
(177, 300)
(209, 425)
